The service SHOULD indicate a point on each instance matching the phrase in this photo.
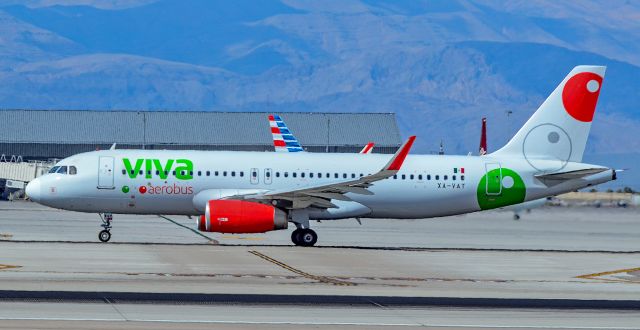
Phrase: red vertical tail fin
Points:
(483, 138)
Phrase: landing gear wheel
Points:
(307, 237)
(104, 236)
(295, 236)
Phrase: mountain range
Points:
(441, 65)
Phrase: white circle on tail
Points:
(547, 147)
(507, 182)
(593, 86)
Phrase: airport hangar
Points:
(47, 134)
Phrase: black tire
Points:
(104, 236)
(307, 237)
(295, 237)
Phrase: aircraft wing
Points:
(322, 194)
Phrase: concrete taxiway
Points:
(555, 268)
(557, 228)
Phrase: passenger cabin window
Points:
(277, 174)
(208, 173)
(302, 175)
(73, 170)
(124, 172)
(462, 177)
(453, 177)
(411, 176)
(428, 176)
(419, 176)
(446, 177)
(54, 169)
(241, 174)
(437, 177)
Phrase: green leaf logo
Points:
(500, 187)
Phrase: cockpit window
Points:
(54, 169)
(73, 170)
(62, 170)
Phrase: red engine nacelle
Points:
(240, 217)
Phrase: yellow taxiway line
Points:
(322, 279)
(595, 276)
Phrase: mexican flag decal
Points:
(458, 169)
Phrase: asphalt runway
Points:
(560, 268)
(141, 316)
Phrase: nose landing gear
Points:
(105, 234)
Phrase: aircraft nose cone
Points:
(33, 190)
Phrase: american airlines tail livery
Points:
(256, 192)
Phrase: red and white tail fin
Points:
(283, 139)
(483, 138)
(368, 148)
(558, 130)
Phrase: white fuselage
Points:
(426, 186)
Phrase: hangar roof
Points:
(186, 127)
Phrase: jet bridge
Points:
(15, 173)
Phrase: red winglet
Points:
(401, 154)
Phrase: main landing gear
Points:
(105, 234)
(304, 237)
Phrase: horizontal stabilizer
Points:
(552, 179)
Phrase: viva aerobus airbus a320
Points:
(256, 192)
